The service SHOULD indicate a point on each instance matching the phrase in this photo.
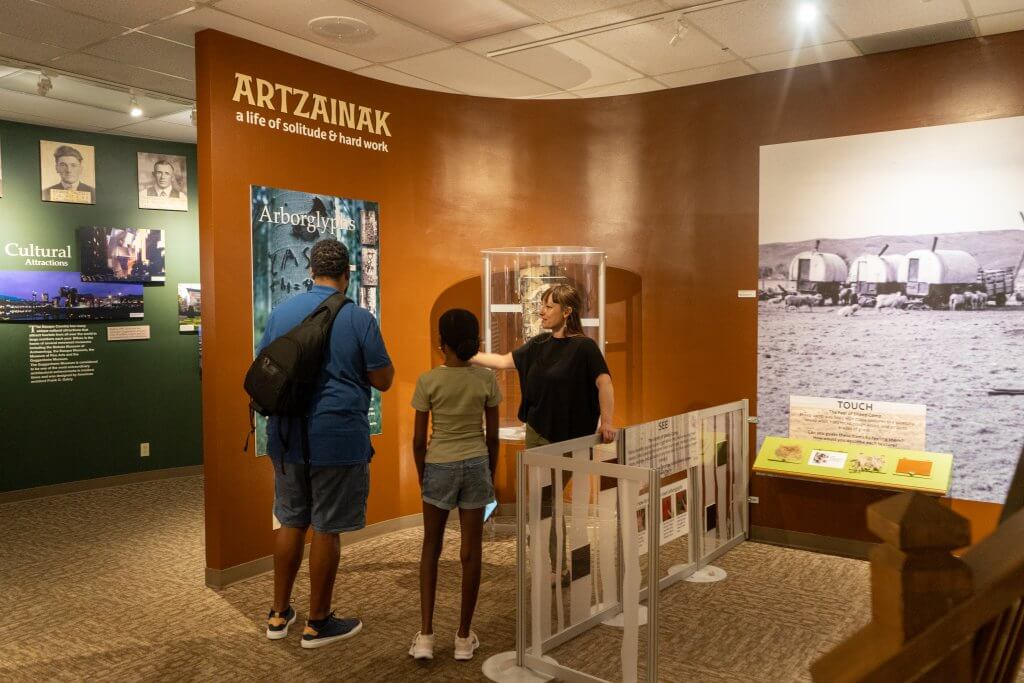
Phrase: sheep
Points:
(808, 300)
(847, 296)
(847, 311)
(957, 301)
(893, 301)
(866, 302)
(980, 301)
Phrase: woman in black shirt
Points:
(564, 380)
(565, 384)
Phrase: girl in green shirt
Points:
(456, 469)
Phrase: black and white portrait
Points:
(369, 267)
(67, 172)
(163, 182)
(368, 230)
(368, 299)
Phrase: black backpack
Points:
(282, 378)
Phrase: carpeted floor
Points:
(108, 585)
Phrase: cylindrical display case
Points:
(514, 279)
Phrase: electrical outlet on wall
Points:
(144, 450)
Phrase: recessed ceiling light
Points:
(136, 110)
(807, 13)
(342, 29)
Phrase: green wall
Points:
(142, 391)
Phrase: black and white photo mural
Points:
(890, 270)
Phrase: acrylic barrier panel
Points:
(580, 558)
(722, 480)
(514, 280)
(673, 516)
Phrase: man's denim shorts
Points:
(331, 498)
(465, 484)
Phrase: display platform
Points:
(856, 464)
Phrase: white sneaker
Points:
(464, 647)
(422, 647)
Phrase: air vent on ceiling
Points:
(915, 37)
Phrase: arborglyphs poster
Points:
(285, 225)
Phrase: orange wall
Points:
(666, 182)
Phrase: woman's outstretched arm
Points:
(494, 361)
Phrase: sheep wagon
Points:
(932, 275)
(874, 274)
(818, 272)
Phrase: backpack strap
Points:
(330, 306)
(252, 428)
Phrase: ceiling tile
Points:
(682, 4)
(560, 95)
(184, 27)
(157, 130)
(157, 54)
(68, 89)
(759, 27)
(45, 24)
(555, 10)
(627, 88)
(131, 14)
(808, 55)
(647, 48)
(383, 73)
(393, 40)
(458, 21)
(57, 110)
(28, 50)
(500, 41)
(471, 73)
(857, 18)
(182, 117)
(1001, 23)
(105, 69)
(717, 72)
(569, 65)
(631, 10)
(983, 7)
(46, 120)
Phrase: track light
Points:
(681, 30)
(807, 13)
(44, 85)
(193, 116)
(136, 110)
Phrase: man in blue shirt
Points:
(329, 491)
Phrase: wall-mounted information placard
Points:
(127, 332)
(898, 425)
(856, 464)
(671, 444)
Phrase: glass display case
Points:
(514, 278)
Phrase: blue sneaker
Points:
(278, 623)
(330, 630)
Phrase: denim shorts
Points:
(331, 498)
(465, 484)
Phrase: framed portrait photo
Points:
(163, 182)
(67, 172)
